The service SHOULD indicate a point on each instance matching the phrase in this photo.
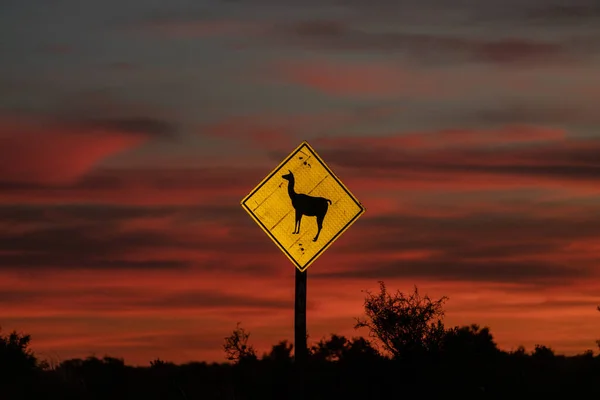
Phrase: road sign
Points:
(302, 206)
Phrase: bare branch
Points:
(236, 345)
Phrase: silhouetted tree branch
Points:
(405, 325)
(236, 346)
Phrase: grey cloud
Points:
(529, 113)
(172, 178)
(575, 159)
(88, 236)
(485, 228)
(92, 246)
(476, 271)
(474, 247)
(106, 213)
(345, 26)
(79, 212)
(426, 48)
(576, 12)
(121, 181)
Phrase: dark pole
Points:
(300, 346)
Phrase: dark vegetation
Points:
(409, 352)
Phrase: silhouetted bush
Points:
(339, 348)
(16, 358)
(469, 343)
(20, 369)
(236, 346)
(407, 326)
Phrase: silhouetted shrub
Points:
(407, 326)
(542, 352)
(20, 370)
(236, 346)
(280, 353)
(339, 348)
(469, 342)
(16, 358)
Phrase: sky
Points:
(131, 130)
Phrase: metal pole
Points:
(300, 345)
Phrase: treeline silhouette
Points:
(408, 352)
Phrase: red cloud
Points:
(54, 153)
(519, 50)
(151, 186)
(373, 79)
(269, 133)
(284, 132)
(458, 160)
(366, 79)
(345, 80)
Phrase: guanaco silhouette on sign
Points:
(306, 205)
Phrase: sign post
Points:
(303, 207)
(300, 345)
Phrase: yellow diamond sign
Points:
(302, 206)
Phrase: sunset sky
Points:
(130, 131)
